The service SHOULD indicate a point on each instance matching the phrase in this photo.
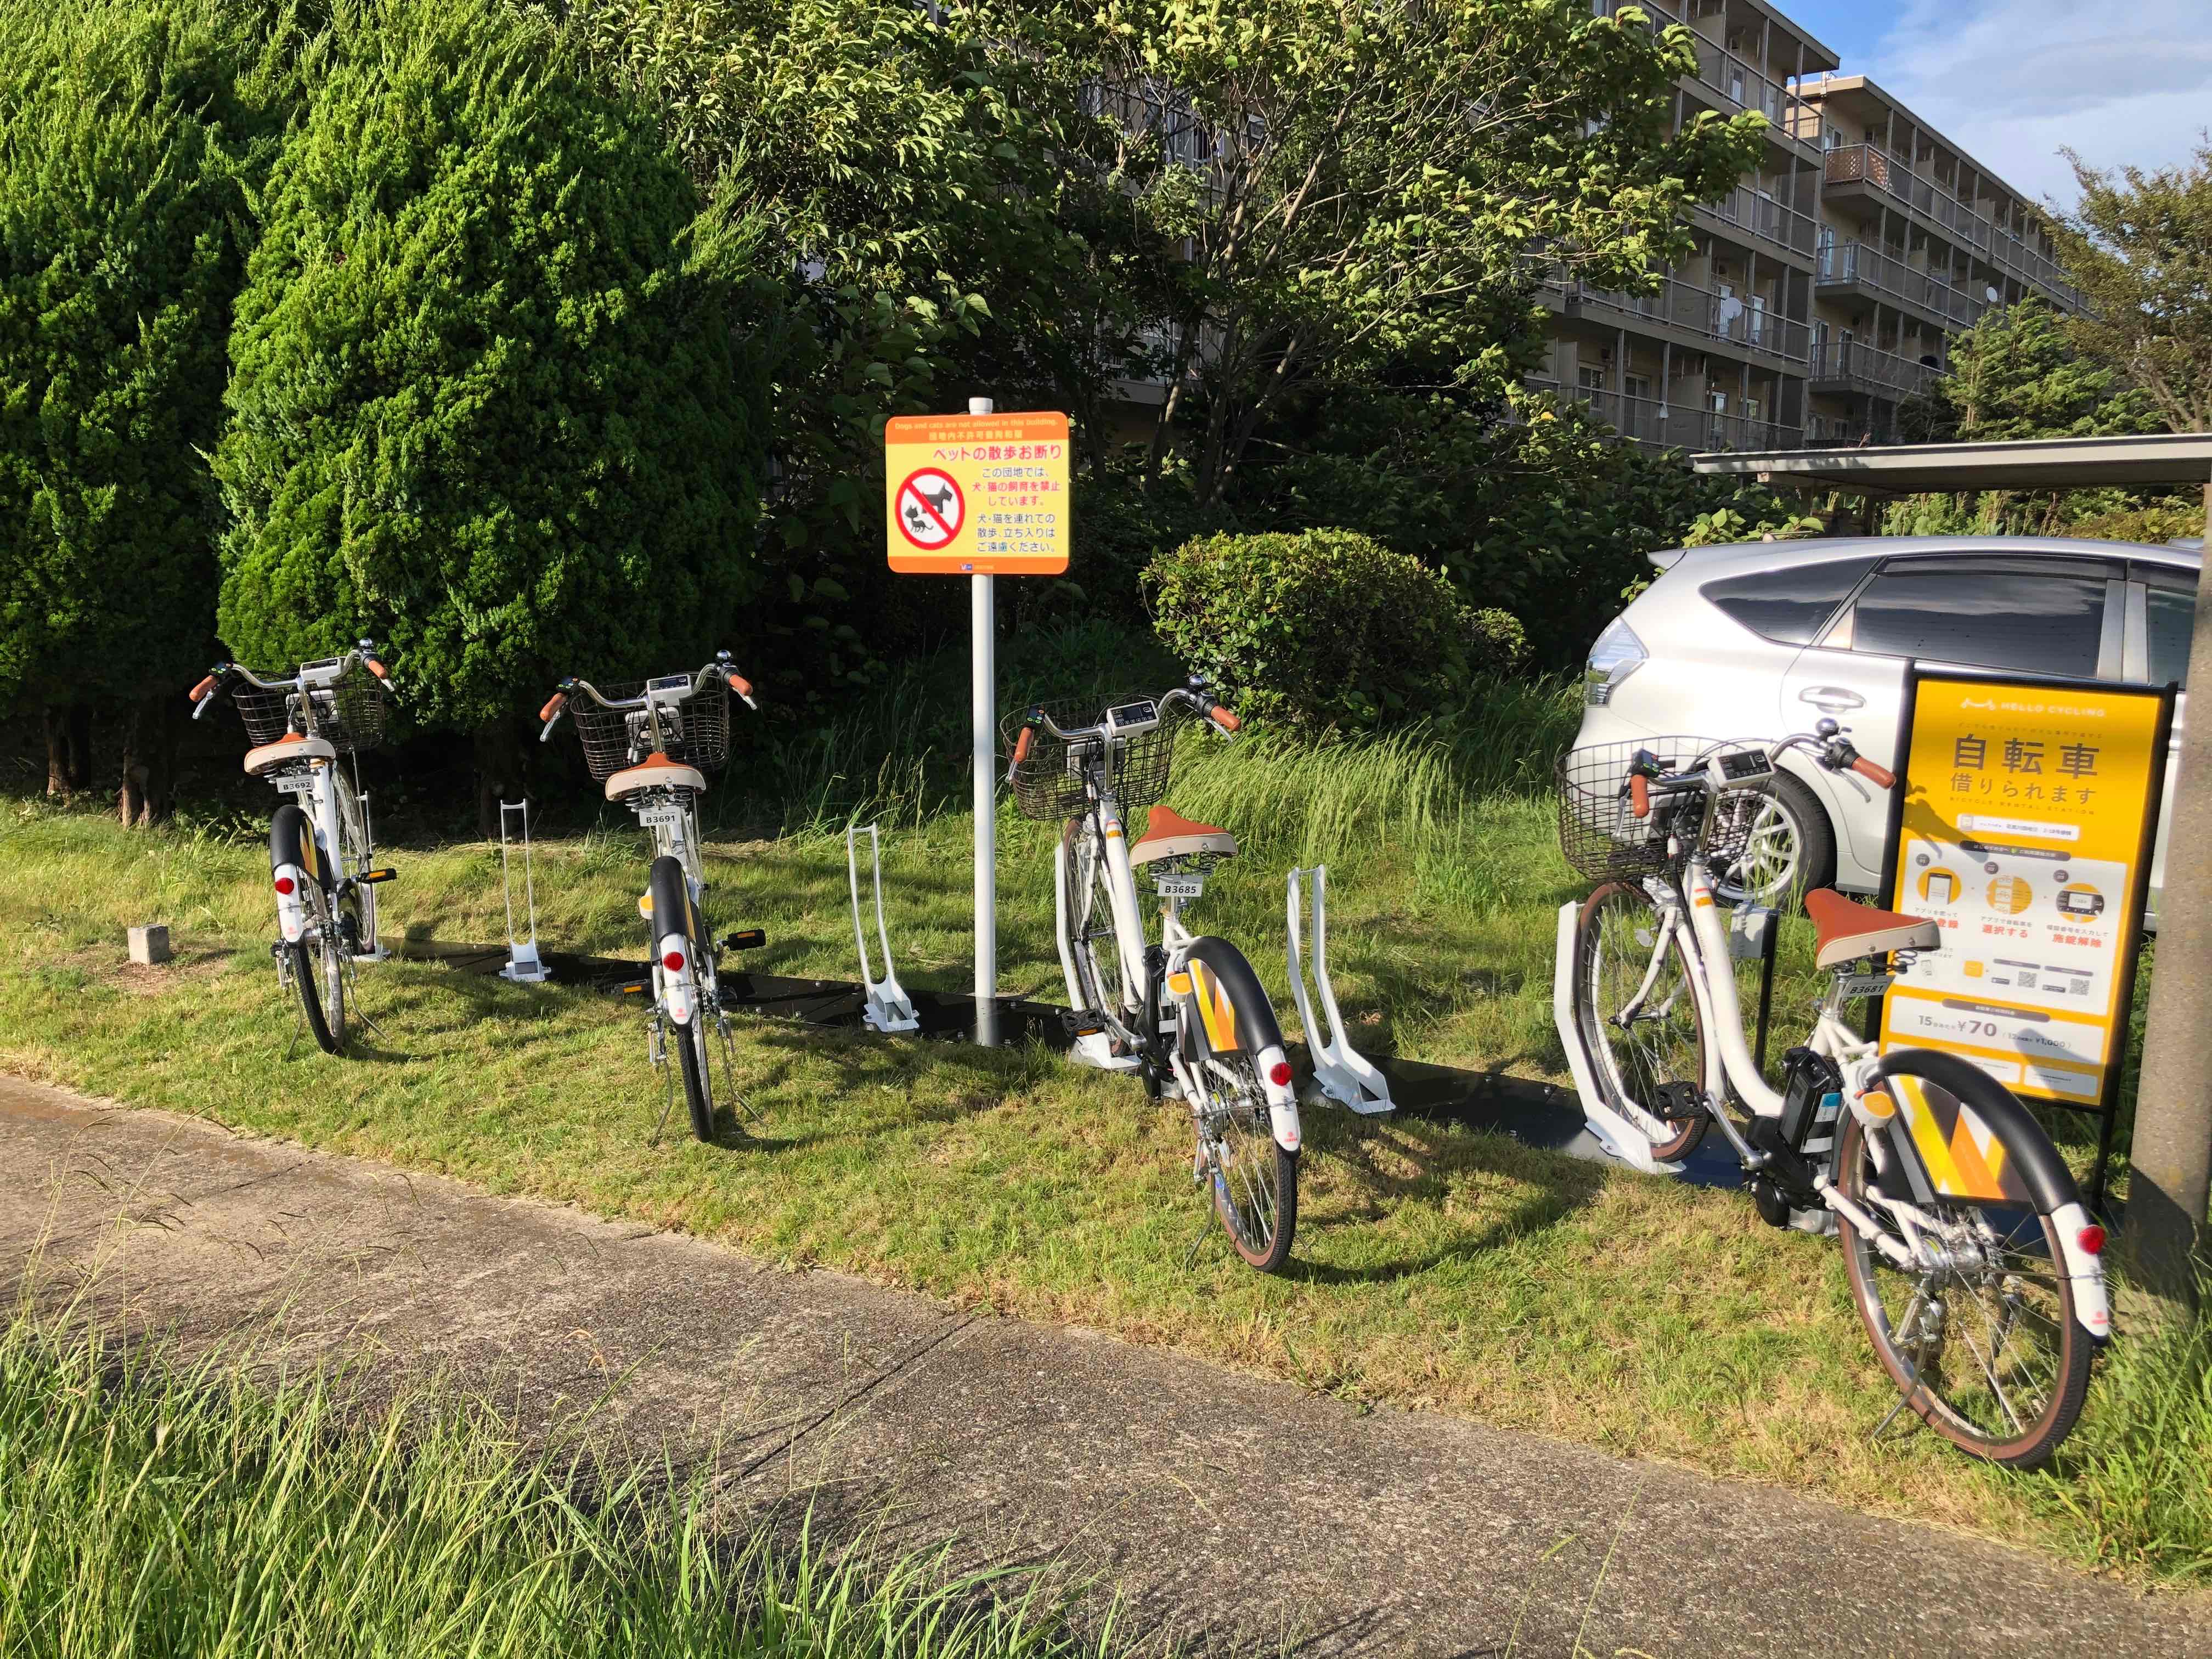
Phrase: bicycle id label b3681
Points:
(1855, 986)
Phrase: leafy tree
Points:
(2139, 247)
(1356, 189)
(479, 406)
(130, 135)
(2018, 373)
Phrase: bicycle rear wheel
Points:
(1655, 1058)
(318, 966)
(698, 1078)
(1982, 1336)
(1226, 1030)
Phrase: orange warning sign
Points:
(977, 495)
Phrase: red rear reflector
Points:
(2092, 1239)
(1279, 1073)
(284, 886)
(673, 962)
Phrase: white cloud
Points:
(2011, 81)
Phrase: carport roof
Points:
(2166, 457)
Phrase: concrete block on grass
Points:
(150, 945)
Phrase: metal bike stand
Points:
(886, 1006)
(1618, 1135)
(1341, 1072)
(523, 964)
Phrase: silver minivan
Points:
(1765, 638)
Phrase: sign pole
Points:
(982, 624)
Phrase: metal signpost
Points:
(2022, 823)
(980, 494)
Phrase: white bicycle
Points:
(652, 745)
(1188, 1013)
(1972, 1260)
(321, 857)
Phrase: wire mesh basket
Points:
(1048, 782)
(348, 713)
(1604, 840)
(695, 731)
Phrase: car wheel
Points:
(1792, 849)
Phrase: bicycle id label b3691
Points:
(660, 818)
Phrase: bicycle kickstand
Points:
(886, 1006)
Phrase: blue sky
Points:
(2011, 81)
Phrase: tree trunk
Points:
(80, 745)
(57, 774)
(499, 773)
(149, 794)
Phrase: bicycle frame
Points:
(1689, 911)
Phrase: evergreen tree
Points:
(479, 406)
(130, 135)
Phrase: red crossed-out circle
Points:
(931, 508)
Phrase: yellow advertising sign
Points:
(976, 494)
(2022, 833)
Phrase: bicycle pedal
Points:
(370, 878)
(749, 938)
(1676, 1102)
(1082, 1022)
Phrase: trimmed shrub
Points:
(479, 406)
(130, 136)
(1324, 628)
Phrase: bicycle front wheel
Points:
(1093, 946)
(1980, 1334)
(1641, 1027)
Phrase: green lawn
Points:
(1435, 1267)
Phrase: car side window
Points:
(1789, 605)
(2038, 616)
(2170, 620)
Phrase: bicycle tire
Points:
(1950, 1398)
(698, 1078)
(318, 953)
(1224, 1023)
(1673, 1052)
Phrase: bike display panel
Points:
(2022, 826)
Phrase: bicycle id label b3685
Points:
(1179, 887)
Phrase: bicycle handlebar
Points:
(1832, 751)
(204, 694)
(719, 669)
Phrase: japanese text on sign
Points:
(2021, 835)
(974, 494)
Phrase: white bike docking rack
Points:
(1341, 1072)
(887, 1006)
(1613, 1130)
(522, 963)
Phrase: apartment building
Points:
(1825, 286)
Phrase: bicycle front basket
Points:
(695, 733)
(351, 713)
(1049, 783)
(1599, 833)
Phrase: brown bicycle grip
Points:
(375, 667)
(201, 688)
(1880, 775)
(1022, 745)
(741, 685)
(1639, 795)
(1222, 717)
(554, 706)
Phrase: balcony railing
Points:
(1855, 264)
(1701, 312)
(1736, 79)
(1765, 217)
(1861, 368)
(1870, 164)
(1647, 421)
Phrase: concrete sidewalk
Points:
(1236, 1515)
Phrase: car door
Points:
(2161, 616)
(2011, 611)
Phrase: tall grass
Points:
(2134, 1486)
(145, 1509)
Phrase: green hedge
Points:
(1324, 628)
(478, 406)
